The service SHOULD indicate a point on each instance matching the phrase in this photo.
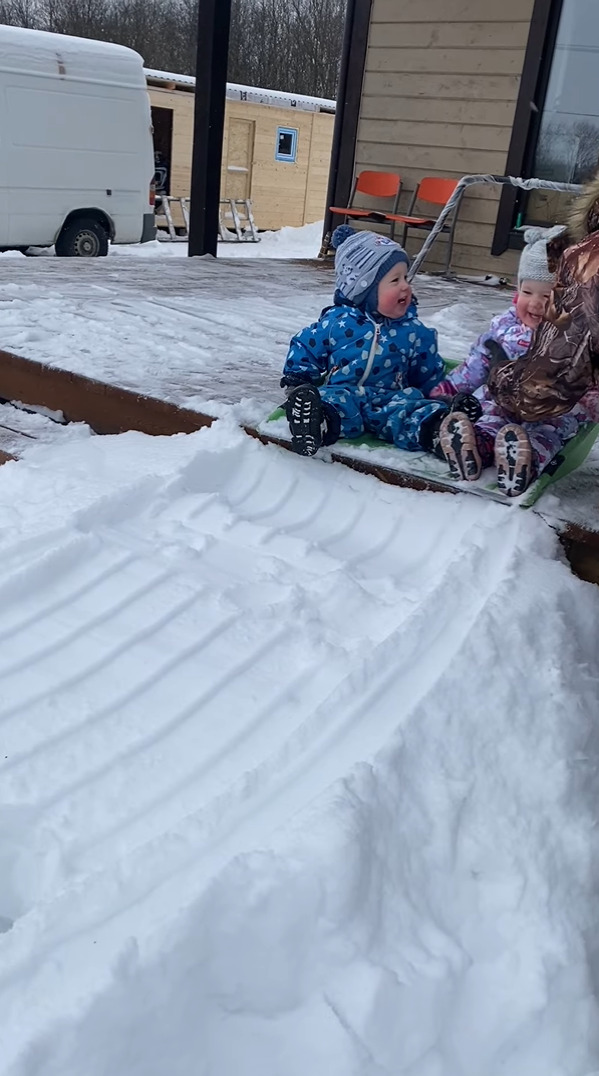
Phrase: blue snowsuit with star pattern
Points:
(377, 372)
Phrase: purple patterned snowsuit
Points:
(515, 338)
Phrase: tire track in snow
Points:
(60, 642)
(338, 700)
(134, 693)
(96, 664)
(279, 780)
(121, 759)
(320, 737)
(270, 712)
(70, 591)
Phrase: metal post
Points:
(351, 77)
(214, 20)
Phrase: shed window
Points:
(286, 148)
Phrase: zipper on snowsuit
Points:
(372, 353)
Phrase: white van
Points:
(76, 153)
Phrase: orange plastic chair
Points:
(373, 185)
(432, 190)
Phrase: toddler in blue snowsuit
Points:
(374, 360)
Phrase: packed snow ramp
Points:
(297, 772)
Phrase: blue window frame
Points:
(286, 146)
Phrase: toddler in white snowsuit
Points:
(520, 451)
(368, 364)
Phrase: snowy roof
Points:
(237, 92)
(41, 53)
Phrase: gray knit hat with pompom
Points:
(533, 260)
(362, 259)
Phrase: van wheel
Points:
(82, 238)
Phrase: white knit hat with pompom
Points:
(533, 260)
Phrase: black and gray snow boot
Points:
(468, 405)
(514, 460)
(464, 402)
(458, 442)
(429, 433)
(312, 422)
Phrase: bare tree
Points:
(20, 13)
(292, 45)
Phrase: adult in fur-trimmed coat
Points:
(563, 361)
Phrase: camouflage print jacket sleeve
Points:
(561, 365)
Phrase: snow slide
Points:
(297, 772)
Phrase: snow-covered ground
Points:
(22, 430)
(298, 772)
(212, 334)
(199, 332)
(284, 243)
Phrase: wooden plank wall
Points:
(282, 193)
(318, 166)
(439, 97)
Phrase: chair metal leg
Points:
(449, 251)
(451, 237)
(410, 213)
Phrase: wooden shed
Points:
(276, 150)
(451, 87)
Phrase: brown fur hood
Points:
(582, 221)
(584, 215)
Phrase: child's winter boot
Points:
(514, 460)
(462, 401)
(312, 422)
(468, 405)
(429, 433)
(457, 438)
